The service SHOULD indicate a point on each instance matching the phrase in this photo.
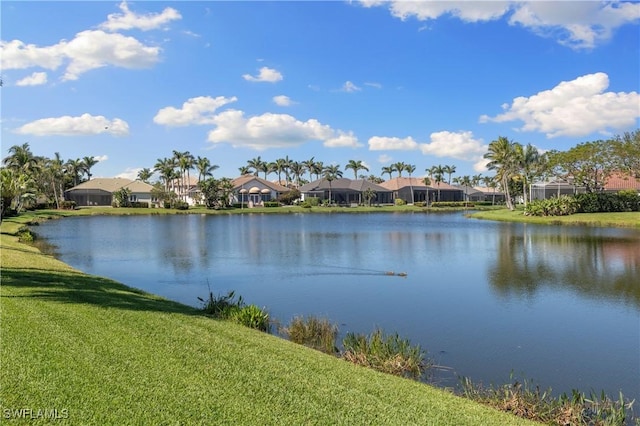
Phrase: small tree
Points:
(121, 198)
(369, 194)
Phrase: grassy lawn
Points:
(627, 219)
(102, 353)
(89, 211)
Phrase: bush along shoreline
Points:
(392, 354)
(592, 202)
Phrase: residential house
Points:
(99, 191)
(411, 190)
(344, 191)
(186, 189)
(543, 190)
(481, 193)
(620, 182)
(254, 191)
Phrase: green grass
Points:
(109, 354)
(90, 211)
(626, 219)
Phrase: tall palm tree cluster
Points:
(293, 171)
(27, 179)
(174, 171)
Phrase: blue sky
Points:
(425, 83)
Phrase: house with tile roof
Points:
(345, 191)
(99, 191)
(622, 182)
(414, 190)
(253, 191)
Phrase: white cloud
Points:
(480, 166)
(282, 100)
(349, 87)
(266, 74)
(464, 10)
(84, 125)
(342, 139)
(576, 24)
(35, 79)
(100, 158)
(199, 110)
(573, 108)
(373, 84)
(272, 131)
(129, 20)
(18, 55)
(379, 143)
(130, 173)
(86, 51)
(384, 158)
(95, 49)
(459, 145)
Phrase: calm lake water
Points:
(556, 305)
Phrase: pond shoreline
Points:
(617, 220)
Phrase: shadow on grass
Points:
(73, 287)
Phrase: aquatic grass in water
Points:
(227, 307)
(524, 400)
(316, 333)
(387, 353)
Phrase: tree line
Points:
(28, 180)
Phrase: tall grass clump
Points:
(527, 401)
(229, 308)
(387, 353)
(316, 333)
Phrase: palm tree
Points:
(438, 178)
(257, 164)
(21, 159)
(286, 168)
(475, 180)
(185, 162)
(318, 168)
(491, 183)
(356, 165)
(145, 174)
(368, 194)
(278, 167)
(398, 167)
(387, 170)
(266, 168)
(166, 169)
(449, 170)
(55, 174)
(309, 166)
(427, 183)
(298, 170)
(74, 168)
(244, 170)
(410, 168)
(530, 164)
(331, 173)
(436, 174)
(503, 159)
(87, 164)
(465, 182)
(205, 168)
